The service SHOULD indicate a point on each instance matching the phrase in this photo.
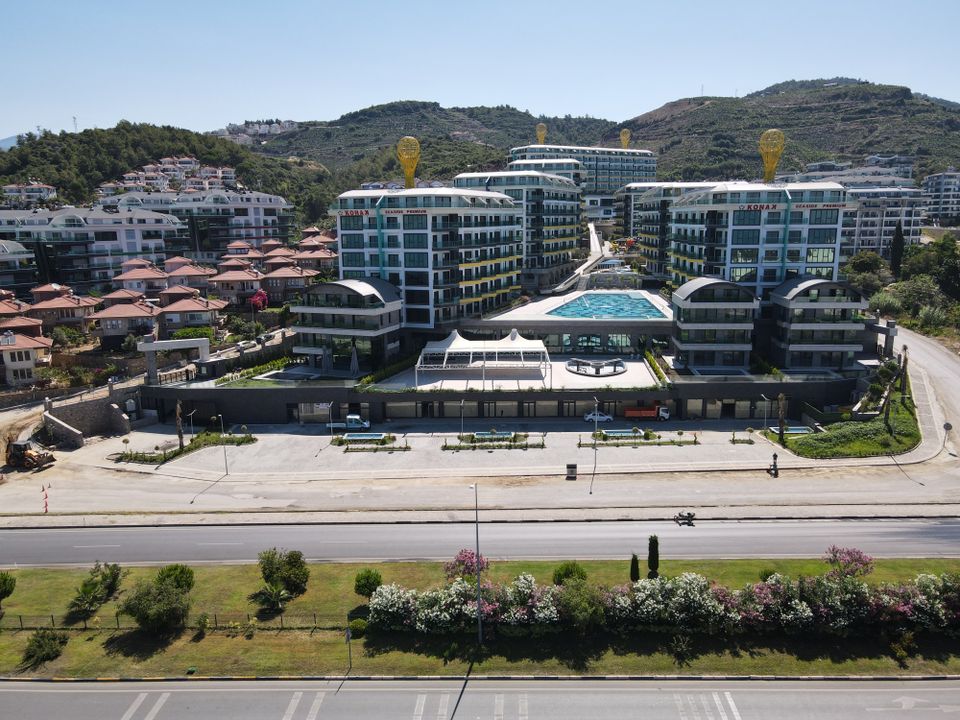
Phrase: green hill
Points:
(76, 163)
(365, 133)
(841, 119)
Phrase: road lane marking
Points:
(418, 710)
(292, 707)
(723, 713)
(498, 707)
(707, 711)
(692, 705)
(442, 710)
(315, 707)
(733, 707)
(134, 706)
(156, 706)
(83, 547)
(681, 711)
(522, 707)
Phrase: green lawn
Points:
(223, 590)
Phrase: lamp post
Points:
(596, 429)
(461, 420)
(476, 525)
(190, 418)
(223, 436)
(766, 407)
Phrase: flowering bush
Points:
(837, 603)
(464, 564)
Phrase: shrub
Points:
(272, 597)
(88, 598)
(766, 574)
(193, 333)
(129, 343)
(180, 575)
(109, 575)
(634, 568)
(203, 624)
(286, 568)
(7, 585)
(580, 605)
(932, 318)
(653, 556)
(366, 582)
(43, 646)
(358, 628)
(848, 562)
(158, 607)
(568, 570)
(885, 303)
(875, 391)
(464, 564)
(393, 607)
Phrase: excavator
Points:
(22, 454)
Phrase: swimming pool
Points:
(608, 306)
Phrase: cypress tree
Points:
(653, 557)
(896, 250)
(634, 568)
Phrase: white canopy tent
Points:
(456, 352)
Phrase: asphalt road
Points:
(499, 700)
(711, 539)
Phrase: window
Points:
(415, 240)
(771, 255)
(743, 255)
(351, 241)
(352, 259)
(796, 216)
(351, 222)
(773, 216)
(821, 272)
(745, 237)
(824, 217)
(822, 236)
(820, 255)
(416, 260)
(23, 374)
(793, 255)
(414, 222)
(743, 274)
(746, 217)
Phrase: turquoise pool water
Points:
(608, 306)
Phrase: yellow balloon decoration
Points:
(625, 138)
(771, 147)
(541, 133)
(408, 153)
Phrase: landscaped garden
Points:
(848, 615)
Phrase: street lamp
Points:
(223, 437)
(476, 524)
(766, 407)
(461, 419)
(190, 418)
(596, 429)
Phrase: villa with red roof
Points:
(114, 323)
(236, 286)
(21, 355)
(286, 283)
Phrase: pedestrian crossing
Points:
(409, 704)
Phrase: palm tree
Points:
(272, 597)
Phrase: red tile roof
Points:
(236, 276)
(179, 290)
(195, 305)
(50, 287)
(191, 271)
(65, 301)
(13, 307)
(123, 294)
(15, 341)
(292, 272)
(280, 252)
(19, 322)
(126, 310)
(141, 273)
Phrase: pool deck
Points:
(539, 310)
(636, 376)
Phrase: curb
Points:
(490, 678)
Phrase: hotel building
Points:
(551, 220)
(878, 210)
(758, 235)
(605, 170)
(452, 252)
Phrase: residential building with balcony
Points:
(713, 324)
(452, 252)
(18, 269)
(123, 296)
(236, 286)
(286, 283)
(114, 323)
(57, 305)
(192, 312)
(340, 318)
(564, 167)
(872, 224)
(605, 170)
(942, 192)
(644, 215)
(758, 235)
(819, 324)
(21, 355)
(551, 220)
(28, 193)
(213, 219)
(149, 280)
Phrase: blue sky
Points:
(203, 63)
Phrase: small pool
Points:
(608, 306)
(792, 430)
(363, 437)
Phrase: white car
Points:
(597, 417)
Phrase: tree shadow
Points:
(360, 612)
(138, 644)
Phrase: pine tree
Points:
(896, 250)
(634, 568)
(653, 557)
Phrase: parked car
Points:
(247, 344)
(597, 417)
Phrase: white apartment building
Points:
(644, 210)
(878, 210)
(942, 191)
(758, 235)
(566, 167)
(605, 170)
(551, 220)
(28, 192)
(452, 252)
